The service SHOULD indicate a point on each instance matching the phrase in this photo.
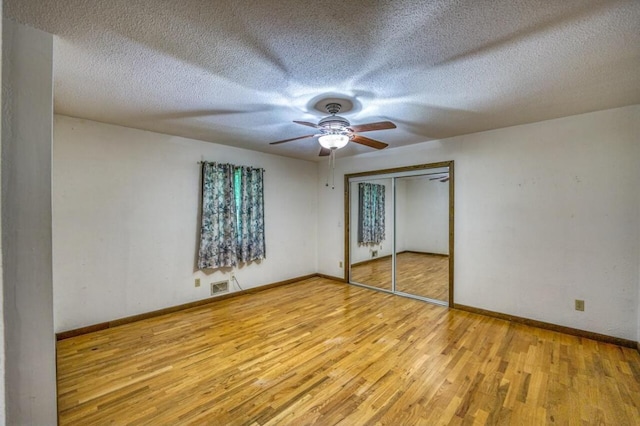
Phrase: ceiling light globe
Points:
(333, 141)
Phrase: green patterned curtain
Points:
(371, 208)
(232, 225)
(250, 223)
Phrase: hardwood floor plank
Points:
(321, 352)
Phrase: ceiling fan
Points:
(336, 131)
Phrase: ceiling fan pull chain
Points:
(332, 158)
(329, 170)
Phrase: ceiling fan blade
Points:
(369, 142)
(324, 152)
(380, 125)
(292, 139)
(439, 176)
(306, 123)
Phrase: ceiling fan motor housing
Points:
(334, 124)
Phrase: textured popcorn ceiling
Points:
(239, 72)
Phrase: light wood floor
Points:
(375, 273)
(421, 274)
(329, 353)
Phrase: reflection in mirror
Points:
(422, 239)
(371, 218)
(408, 250)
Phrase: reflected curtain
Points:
(232, 222)
(371, 208)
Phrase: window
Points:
(232, 223)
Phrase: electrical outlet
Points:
(340, 264)
(197, 282)
(579, 305)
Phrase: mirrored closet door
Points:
(400, 231)
(422, 242)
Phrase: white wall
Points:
(26, 224)
(125, 220)
(426, 215)
(545, 213)
(402, 227)
(2, 350)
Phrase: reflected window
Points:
(371, 205)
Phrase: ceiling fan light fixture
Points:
(333, 141)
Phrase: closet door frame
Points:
(393, 173)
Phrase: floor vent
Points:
(219, 287)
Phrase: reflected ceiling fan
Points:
(336, 131)
(441, 178)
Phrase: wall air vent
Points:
(219, 287)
